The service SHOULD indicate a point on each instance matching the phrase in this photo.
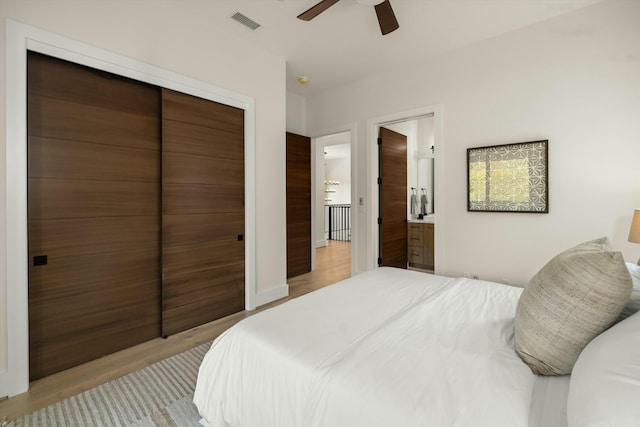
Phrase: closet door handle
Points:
(39, 260)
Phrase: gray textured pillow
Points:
(572, 299)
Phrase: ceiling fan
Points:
(384, 11)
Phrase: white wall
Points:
(170, 37)
(296, 114)
(573, 80)
(339, 170)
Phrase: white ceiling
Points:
(344, 43)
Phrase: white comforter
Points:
(385, 348)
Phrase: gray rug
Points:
(158, 395)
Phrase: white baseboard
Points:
(321, 243)
(3, 384)
(272, 294)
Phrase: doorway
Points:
(425, 145)
(332, 193)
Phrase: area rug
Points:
(158, 395)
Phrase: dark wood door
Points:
(392, 156)
(298, 204)
(202, 211)
(93, 214)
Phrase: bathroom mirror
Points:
(424, 157)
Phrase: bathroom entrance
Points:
(406, 193)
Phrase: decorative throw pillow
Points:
(572, 299)
(605, 382)
(633, 305)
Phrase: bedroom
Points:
(572, 79)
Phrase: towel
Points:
(414, 204)
(423, 204)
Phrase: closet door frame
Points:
(21, 38)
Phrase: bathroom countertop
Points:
(429, 219)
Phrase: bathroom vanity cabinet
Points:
(420, 247)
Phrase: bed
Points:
(389, 347)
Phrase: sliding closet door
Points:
(202, 211)
(93, 214)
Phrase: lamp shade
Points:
(634, 232)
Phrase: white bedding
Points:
(549, 401)
(388, 347)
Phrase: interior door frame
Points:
(373, 129)
(21, 38)
(317, 156)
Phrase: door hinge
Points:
(379, 181)
(379, 221)
(379, 261)
(379, 141)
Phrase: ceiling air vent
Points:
(247, 22)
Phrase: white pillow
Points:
(633, 305)
(634, 270)
(605, 383)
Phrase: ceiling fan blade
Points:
(386, 17)
(316, 10)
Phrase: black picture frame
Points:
(509, 178)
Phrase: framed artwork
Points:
(508, 178)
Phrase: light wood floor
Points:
(333, 263)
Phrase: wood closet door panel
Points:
(56, 79)
(63, 199)
(199, 228)
(202, 211)
(200, 293)
(75, 121)
(199, 140)
(49, 157)
(64, 273)
(201, 113)
(180, 168)
(298, 204)
(186, 199)
(94, 211)
(225, 285)
(189, 258)
(93, 236)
